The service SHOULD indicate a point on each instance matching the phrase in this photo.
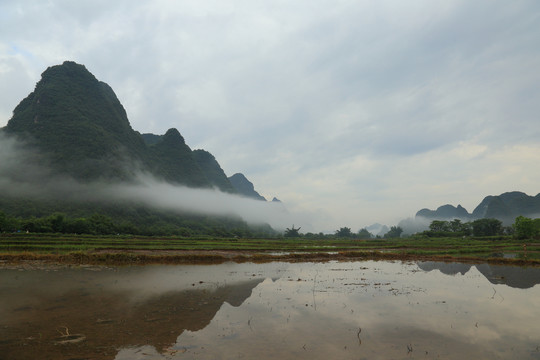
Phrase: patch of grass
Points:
(120, 249)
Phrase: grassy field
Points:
(87, 248)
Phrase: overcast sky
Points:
(350, 112)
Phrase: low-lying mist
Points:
(159, 194)
(414, 225)
(21, 175)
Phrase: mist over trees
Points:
(395, 232)
(99, 224)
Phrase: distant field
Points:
(156, 249)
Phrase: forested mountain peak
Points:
(213, 171)
(173, 138)
(69, 93)
(79, 126)
(445, 212)
(244, 186)
(78, 123)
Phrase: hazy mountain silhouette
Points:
(244, 186)
(505, 207)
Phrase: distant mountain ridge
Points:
(505, 207)
(445, 212)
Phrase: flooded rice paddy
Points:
(333, 310)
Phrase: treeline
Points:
(344, 232)
(527, 228)
(480, 227)
(99, 224)
(523, 228)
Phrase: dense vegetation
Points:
(79, 239)
(138, 221)
(480, 227)
(523, 228)
(526, 228)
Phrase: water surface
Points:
(335, 310)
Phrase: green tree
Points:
(439, 226)
(364, 234)
(57, 222)
(37, 225)
(344, 232)
(101, 225)
(3, 222)
(395, 232)
(292, 232)
(456, 225)
(8, 223)
(77, 226)
(526, 228)
(486, 227)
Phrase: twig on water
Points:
(69, 338)
(61, 333)
(495, 292)
(313, 290)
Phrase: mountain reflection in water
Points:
(337, 310)
(514, 276)
(110, 308)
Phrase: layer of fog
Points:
(21, 175)
(414, 225)
(163, 195)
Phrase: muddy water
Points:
(336, 310)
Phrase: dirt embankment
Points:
(127, 257)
